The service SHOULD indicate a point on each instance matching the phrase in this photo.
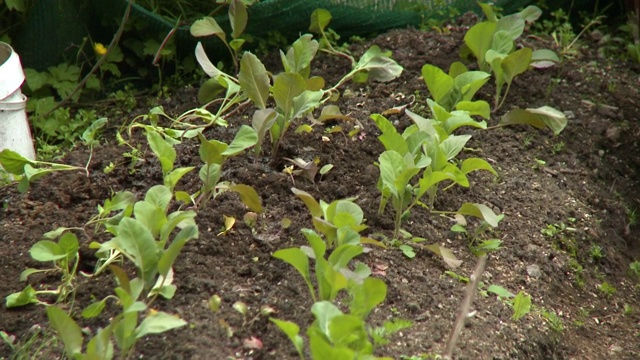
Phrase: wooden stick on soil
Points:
(472, 287)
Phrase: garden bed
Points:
(568, 202)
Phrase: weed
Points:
(557, 147)
(628, 309)
(635, 269)
(596, 253)
(554, 322)
(607, 289)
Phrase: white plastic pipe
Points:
(14, 127)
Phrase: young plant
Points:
(208, 26)
(346, 336)
(492, 43)
(456, 89)
(329, 272)
(425, 146)
(64, 256)
(28, 170)
(294, 92)
(124, 327)
(340, 222)
(479, 241)
(214, 153)
(143, 239)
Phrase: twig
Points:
(114, 42)
(472, 287)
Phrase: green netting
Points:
(55, 24)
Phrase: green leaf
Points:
(13, 162)
(159, 195)
(320, 18)
(299, 56)
(68, 330)
(94, 309)
(299, 260)
(29, 271)
(254, 80)
(502, 43)
(162, 149)
(487, 9)
(325, 311)
(530, 14)
(512, 24)
(480, 107)
(69, 245)
(245, 138)
(205, 27)
(544, 58)
(343, 254)
(25, 297)
(344, 213)
(170, 255)
(309, 201)
(248, 196)
(468, 83)
(306, 102)
(349, 331)
(366, 296)
(158, 323)
(379, 66)
(438, 82)
(46, 250)
(521, 306)
(500, 291)
(474, 164)
(136, 242)
(100, 346)
(172, 178)
(480, 211)
(452, 145)
(237, 17)
(395, 173)
(407, 251)
(89, 134)
(516, 63)
(206, 64)
(286, 87)
(478, 38)
(261, 122)
(292, 331)
(211, 150)
(540, 118)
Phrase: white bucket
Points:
(14, 127)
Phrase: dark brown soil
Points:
(589, 183)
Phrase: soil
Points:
(588, 182)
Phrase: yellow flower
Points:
(99, 49)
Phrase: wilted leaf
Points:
(446, 254)
(540, 118)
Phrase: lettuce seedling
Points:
(143, 237)
(456, 89)
(124, 327)
(64, 256)
(340, 222)
(238, 18)
(492, 43)
(28, 171)
(425, 147)
(214, 153)
(335, 334)
(329, 272)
